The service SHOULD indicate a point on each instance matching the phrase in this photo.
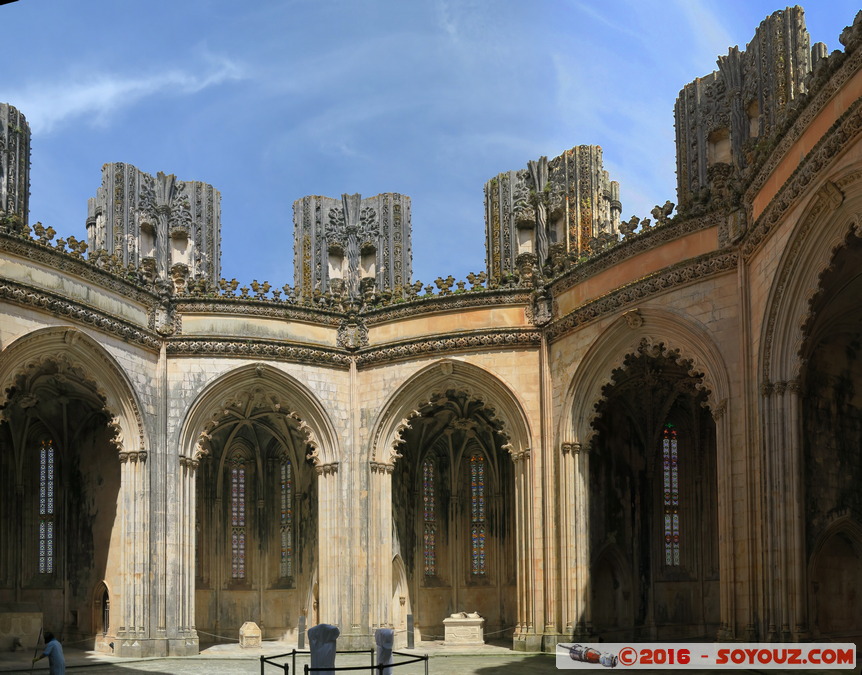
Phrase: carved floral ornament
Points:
(249, 404)
(652, 347)
(69, 369)
(436, 402)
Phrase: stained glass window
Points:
(477, 514)
(670, 458)
(237, 506)
(429, 535)
(46, 508)
(286, 522)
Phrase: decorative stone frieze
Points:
(678, 275)
(41, 253)
(494, 339)
(438, 303)
(644, 241)
(257, 348)
(61, 306)
(845, 131)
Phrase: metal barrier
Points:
(374, 668)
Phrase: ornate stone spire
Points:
(158, 222)
(551, 208)
(14, 163)
(351, 245)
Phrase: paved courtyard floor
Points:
(231, 660)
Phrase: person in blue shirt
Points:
(54, 651)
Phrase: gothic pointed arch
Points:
(689, 350)
(824, 432)
(833, 213)
(806, 369)
(448, 374)
(653, 483)
(259, 441)
(73, 449)
(664, 331)
(464, 438)
(83, 358)
(274, 388)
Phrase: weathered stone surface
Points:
(224, 458)
(551, 209)
(14, 165)
(722, 118)
(249, 635)
(352, 245)
(168, 227)
(464, 629)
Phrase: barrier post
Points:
(300, 640)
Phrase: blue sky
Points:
(270, 101)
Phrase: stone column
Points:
(796, 526)
(134, 488)
(784, 503)
(187, 635)
(526, 637)
(547, 467)
(331, 544)
(380, 546)
(575, 539)
(726, 530)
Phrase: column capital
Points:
(326, 469)
(381, 467)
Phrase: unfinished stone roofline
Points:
(135, 282)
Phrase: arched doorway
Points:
(256, 518)
(831, 396)
(59, 487)
(653, 500)
(101, 609)
(453, 511)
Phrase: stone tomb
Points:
(249, 635)
(464, 629)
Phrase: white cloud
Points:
(706, 28)
(49, 105)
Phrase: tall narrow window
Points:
(429, 534)
(46, 508)
(237, 507)
(477, 513)
(286, 524)
(671, 496)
